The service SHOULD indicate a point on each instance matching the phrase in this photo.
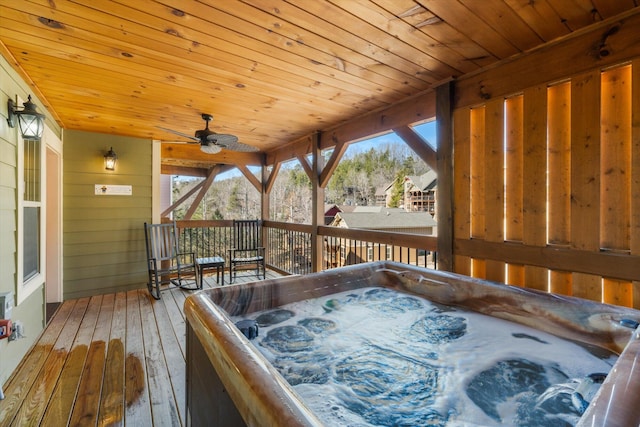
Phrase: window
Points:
(389, 252)
(30, 218)
(369, 253)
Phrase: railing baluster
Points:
(289, 246)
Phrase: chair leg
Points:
(156, 294)
(153, 274)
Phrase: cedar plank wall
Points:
(561, 162)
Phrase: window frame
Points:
(25, 288)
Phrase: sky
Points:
(425, 130)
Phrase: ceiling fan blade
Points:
(191, 137)
(239, 146)
(222, 138)
(210, 148)
(212, 142)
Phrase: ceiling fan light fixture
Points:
(210, 148)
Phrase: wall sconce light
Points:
(110, 160)
(31, 122)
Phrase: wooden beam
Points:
(306, 166)
(332, 163)
(181, 199)
(183, 171)
(609, 42)
(444, 170)
(410, 110)
(418, 145)
(251, 177)
(177, 151)
(299, 147)
(272, 177)
(203, 190)
(609, 264)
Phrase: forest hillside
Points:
(354, 182)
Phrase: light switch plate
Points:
(6, 304)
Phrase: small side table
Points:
(210, 262)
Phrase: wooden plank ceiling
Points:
(269, 71)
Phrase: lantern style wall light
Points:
(110, 160)
(30, 121)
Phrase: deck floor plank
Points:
(110, 360)
(25, 374)
(163, 403)
(64, 395)
(137, 408)
(85, 409)
(37, 399)
(175, 312)
(176, 360)
(112, 397)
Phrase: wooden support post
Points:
(265, 205)
(535, 177)
(444, 155)
(585, 177)
(478, 268)
(635, 171)
(559, 166)
(494, 182)
(462, 185)
(615, 192)
(514, 159)
(317, 204)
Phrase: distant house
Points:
(383, 195)
(420, 193)
(342, 252)
(330, 211)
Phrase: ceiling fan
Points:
(212, 142)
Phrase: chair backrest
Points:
(162, 241)
(247, 234)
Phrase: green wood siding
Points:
(31, 311)
(103, 235)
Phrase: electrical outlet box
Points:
(6, 304)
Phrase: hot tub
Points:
(231, 383)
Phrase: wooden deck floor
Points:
(106, 360)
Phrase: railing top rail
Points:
(305, 228)
(419, 241)
(204, 223)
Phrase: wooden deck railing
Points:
(289, 246)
